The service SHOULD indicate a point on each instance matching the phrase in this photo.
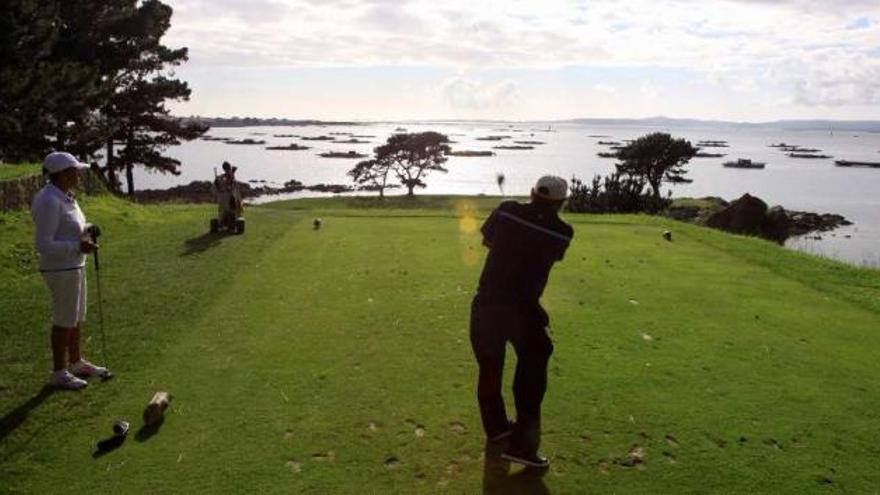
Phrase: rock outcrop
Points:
(750, 216)
(747, 215)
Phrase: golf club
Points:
(95, 232)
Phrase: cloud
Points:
(464, 93)
(838, 82)
(813, 51)
(649, 90)
(391, 18)
(860, 23)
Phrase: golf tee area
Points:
(337, 360)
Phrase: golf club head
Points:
(107, 375)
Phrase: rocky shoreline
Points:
(202, 192)
(751, 216)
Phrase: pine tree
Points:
(123, 37)
(656, 157)
(40, 95)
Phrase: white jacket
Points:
(59, 227)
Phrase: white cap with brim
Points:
(60, 160)
(551, 187)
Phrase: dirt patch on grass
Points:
(328, 456)
(457, 428)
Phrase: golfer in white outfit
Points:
(63, 243)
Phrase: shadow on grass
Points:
(108, 445)
(498, 480)
(201, 243)
(147, 431)
(13, 419)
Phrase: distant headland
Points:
(661, 122)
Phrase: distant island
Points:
(471, 153)
(291, 147)
(254, 121)
(517, 147)
(342, 154)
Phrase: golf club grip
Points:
(97, 263)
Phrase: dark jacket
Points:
(524, 242)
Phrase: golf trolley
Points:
(229, 208)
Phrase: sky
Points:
(741, 60)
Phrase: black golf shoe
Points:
(529, 460)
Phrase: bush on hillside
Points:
(614, 193)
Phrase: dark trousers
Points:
(493, 325)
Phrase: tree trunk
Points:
(656, 187)
(129, 174)
(111, 174)
(129, 177)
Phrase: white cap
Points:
(61, 160)
(551, 187)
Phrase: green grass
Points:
(11, 171)
(304, 361)
(691, 202)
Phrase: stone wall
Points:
(17, 194)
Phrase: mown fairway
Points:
(337, 361)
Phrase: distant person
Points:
(227, 191)
(63, 243)
(524, 242)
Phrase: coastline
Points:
(699, 211)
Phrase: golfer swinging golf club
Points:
(63, 242)
(524, 242)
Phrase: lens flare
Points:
(467, 225)
(466, 211)
(470, 256)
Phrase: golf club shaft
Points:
(100, 310)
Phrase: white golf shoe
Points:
(65, 380)
(83, 368)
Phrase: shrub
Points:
(615, 193)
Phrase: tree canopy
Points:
(656, 158)
(87, 75)
(373, 174)
(409, 157)
(39, 93)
